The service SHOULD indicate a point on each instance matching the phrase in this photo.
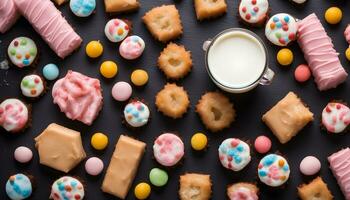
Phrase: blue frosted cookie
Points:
(82, 8)
(18, 187)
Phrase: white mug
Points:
(236, 60)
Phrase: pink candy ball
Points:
(310, 165)
(94, 166)
(262, 144)
(302, 73)
(121, 91)
(23, 154)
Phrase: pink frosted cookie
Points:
(8, 15)
(132, 47)
(320, 54)
(78, 96)
(254, 12)
(14, 115)
(168, 149)
(234, 154)
(335, 117)
(51, 25)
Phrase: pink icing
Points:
(243, 193)
(340, 166)
(320, 54)
(78, 96)
(13, 115)
(51, 25)
(347, 33)
(168, 149)
(8, 15)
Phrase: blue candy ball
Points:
(50, 71)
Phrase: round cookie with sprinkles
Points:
(254, 12)
(136, 113)
(234, 154)
(336, 117)
(22, 52)
(116, 30)
(14, 115)
(168, 149)
(273, 170)
(18, 187)
(32, 86)
(281, 29)
(82, 8)
(67, 188)
(132, 47)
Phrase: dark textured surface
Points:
(250, 107)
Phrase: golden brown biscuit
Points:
(172, 101)
(120, 6)
(287, 117)
(209, 8)
(195, 187)
(59, 2)
(316, 189)
(175, 61)
(216, 111)
(163, 22)
(242, 190)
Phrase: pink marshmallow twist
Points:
(8, 15)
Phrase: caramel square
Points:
(195, 187)
(121, 6)
(209, 8)
(163, 22)
(316, 189)
(287, 117)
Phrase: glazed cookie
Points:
(168, 149)
(254, 12)
(175, 61)
(14, 115)
(243, 191)
(116, 30)
(336, 117)
(234, 154)
(136, 113)
(82, 8)
(281, 29)
(273, 170)
(132, 47)
(18, 187)
(32, 86)
(67, 188)
(22, 52)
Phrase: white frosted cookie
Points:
(234, 154)
(253, 11)
(22, 51)
(273, 170)
(116, 30)
(32, 85)
(336, 117)
(281, 29)
(136, 113)
(168, 149)
(67, 188)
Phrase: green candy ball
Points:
(158, 177)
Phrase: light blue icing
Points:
(82, 8)
(51, 71)
(18, 187)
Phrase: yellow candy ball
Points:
(347, 53)
(108, 69)
(99, 141)
(285, 57)
(139, 77)
(94, 49)
(142, 190)
(333, 15)
(199, 141)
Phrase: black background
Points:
(250, 107)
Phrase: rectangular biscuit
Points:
(316, 189)
(209, 8)
(120, 6)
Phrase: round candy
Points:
(94, 166)
(14, 115)
(18, 187)
(22, 51)
(310, 165)
(142, 191)
(121, 91)
(67, 188)
(347, 53)
(82, 8)
(302, 73)
(333, 15)
(23, 154)
(132, 47)
(116, 30)
(158, 177)
(285, 57)
(262, 144)
(99, 141)
(32, 85)
(281, 29)
(168, 149)
(336, 117)
(273, 170)
(136, 113)
(199, 141)
(234, 154)
(108, 69)
(94, 49)
(139, 77)
(51, 71)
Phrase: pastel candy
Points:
(132, 47)
(94, 166)
(116, 30)
(82, 8)
(310, 165)
(234, 154)
(51, 71)
(18, 187)
(23, 154)
(121, 91)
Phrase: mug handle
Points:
(206, 44)
(267, 77)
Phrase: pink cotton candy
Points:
(51, 25)
(8, 15)
(320, 54)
